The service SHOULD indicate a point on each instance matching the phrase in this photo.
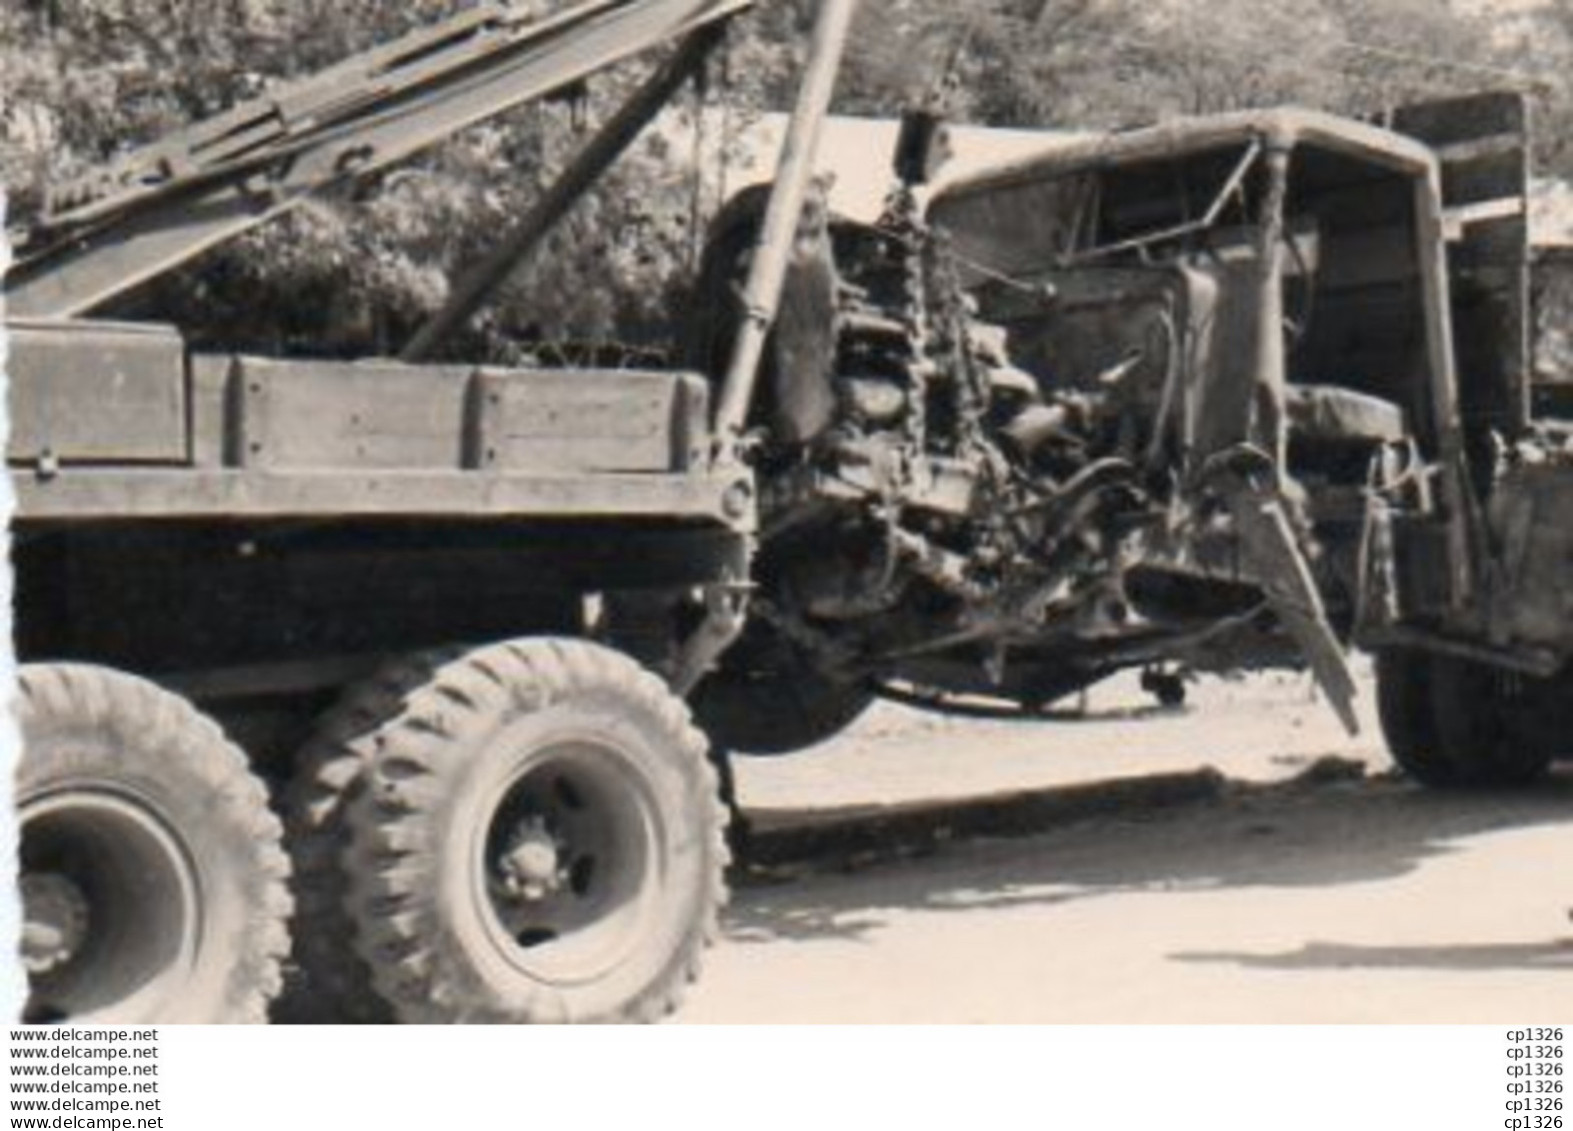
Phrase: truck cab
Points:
(1351, 302)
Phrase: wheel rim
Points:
(570, 861)
(110, 906)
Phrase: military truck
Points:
(1223, 393)
(500, 814)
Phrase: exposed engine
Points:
(937, 521)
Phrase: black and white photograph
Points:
(829, 513)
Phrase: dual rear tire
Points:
(529, 832)
(526, 832)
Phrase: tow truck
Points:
(497, 815)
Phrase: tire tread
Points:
(143, 718)
(391, 820)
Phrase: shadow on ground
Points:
(1330, 826)
(1554, 955)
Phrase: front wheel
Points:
(1404, 708)
(1457, 723)
(540, 839)
(769, 697)
(152, 873)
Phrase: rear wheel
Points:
(540, 839)
(152, 875)
(333, 983)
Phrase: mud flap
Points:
(1274, 557)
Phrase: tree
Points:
(357, 272)
(354, 274)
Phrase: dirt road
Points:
(1207, 866)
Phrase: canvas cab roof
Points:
(1286, 127)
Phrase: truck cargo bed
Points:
(117, 421)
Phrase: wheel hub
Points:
(111, 904)
(531, 868)
(55, 921)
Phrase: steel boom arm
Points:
(161, 206)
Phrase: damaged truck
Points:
(1224, 393)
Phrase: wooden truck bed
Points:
(114, 420)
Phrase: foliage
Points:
(349, 274)
(82, 79)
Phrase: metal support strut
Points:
(767, 276)
(591, 164)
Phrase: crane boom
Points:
(160, 206)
